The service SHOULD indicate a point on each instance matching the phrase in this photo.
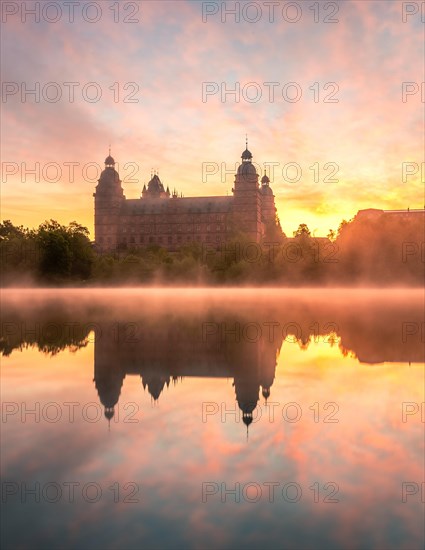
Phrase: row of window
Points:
(172, 229)
(158, 229)
(161, 240)
(182, 218)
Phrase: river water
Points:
(212, 418)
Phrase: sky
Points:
(154, 81)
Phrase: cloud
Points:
(169, 54)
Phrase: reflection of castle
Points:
(171, 221)
(165, 342)
(160, 356)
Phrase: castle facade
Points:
(170, 221)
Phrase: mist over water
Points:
(191, 404)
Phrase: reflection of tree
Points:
(48, 334)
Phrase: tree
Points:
(18, 251)
(273, 231)
(56, 255)
(8, 230)
(342, 226)
(331, 235)
(302, 231)
(64, 251)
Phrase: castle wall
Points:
(172, 223)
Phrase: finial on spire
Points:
(246, 140)
(109, 148)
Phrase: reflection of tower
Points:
(108, 384)
(108, 376)
(247, 391)
(268, 359)
(155, 383)
(255, 367)
(247, 378)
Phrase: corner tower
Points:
(247, 198)
(268, 208)
(108, 198)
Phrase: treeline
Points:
(381, 251)
(53, 253)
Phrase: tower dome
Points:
(109, 177)
(265, 179)
(265, 185)
(109, 161)
(246, 155)
(246, 169)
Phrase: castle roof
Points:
(155, 185)
(109, 176)
(247, 169)
(376, 213)
(178, 204)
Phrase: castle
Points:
(162, 218)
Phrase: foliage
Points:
(51, 253)
(369, 250)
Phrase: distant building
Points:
(163, 218)
(375, 213)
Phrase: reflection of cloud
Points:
(170, 452)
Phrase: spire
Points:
(109, 161)
(265, 180)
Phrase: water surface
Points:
(212, 418)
